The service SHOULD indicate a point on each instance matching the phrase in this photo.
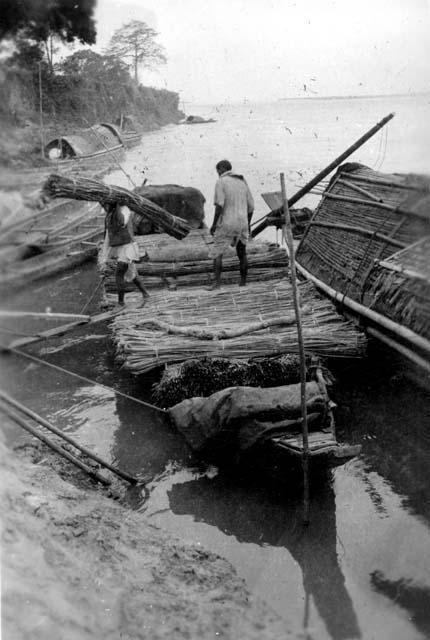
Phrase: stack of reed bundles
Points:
(202, 377)
(400, 288)
(188, 262)
(250, 322)
(364, 216)
(57, 186)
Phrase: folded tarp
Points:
(222, 421)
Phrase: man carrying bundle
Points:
(234, 207)
(119, 244)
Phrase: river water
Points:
(361, 569)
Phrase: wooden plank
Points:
(59, 331)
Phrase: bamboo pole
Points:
(288, 234)
(322, 174)
(65, 454)
(90, 454)
(43, 314)
(399, 330)
(42, 137)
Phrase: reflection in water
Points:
(415, 599)
(390, 418)
(276, 520)
(145, 443)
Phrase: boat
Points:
(256, 426)
(97, 144)
(92, 152)
(197, 120)
(39, 244)
(367, 247)
(129, 130)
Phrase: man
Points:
(119, 244)
(234, 207)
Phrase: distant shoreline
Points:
(363, 97)
(246, 102)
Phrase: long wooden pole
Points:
(6, 313)
(42, 137)
(90, 454)
(62, 452)
(322, 174)
(296, 299)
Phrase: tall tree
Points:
(135, 43)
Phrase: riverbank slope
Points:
(75, 560)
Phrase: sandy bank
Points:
(77, 564)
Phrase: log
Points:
(57, 186)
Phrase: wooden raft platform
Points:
(253, 321)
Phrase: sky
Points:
(263, 50)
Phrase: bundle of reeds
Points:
(142, 345)
(204, 376)
(270, 262)
(256, 274)
(78, 188)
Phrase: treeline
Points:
(85, 87)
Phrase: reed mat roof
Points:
(366, 242)
(175, 326)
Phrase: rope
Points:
(83, 378)
(90, 299)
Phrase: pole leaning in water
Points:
(322, 174)
(296, 299)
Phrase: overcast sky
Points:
(227, 50)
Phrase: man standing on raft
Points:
(234, 207)
(119, 244)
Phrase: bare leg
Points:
(121, 268)
(138, 281)
(217, 273)
(243, 262)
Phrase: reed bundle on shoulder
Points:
(57, 186)
(175, 326)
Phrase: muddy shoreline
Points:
(77, 561)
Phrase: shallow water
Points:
(362, 567)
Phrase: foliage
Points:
(135, 43)
(27, 53)
(66, 19)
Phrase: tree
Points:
(135, 43)
(41, 21)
